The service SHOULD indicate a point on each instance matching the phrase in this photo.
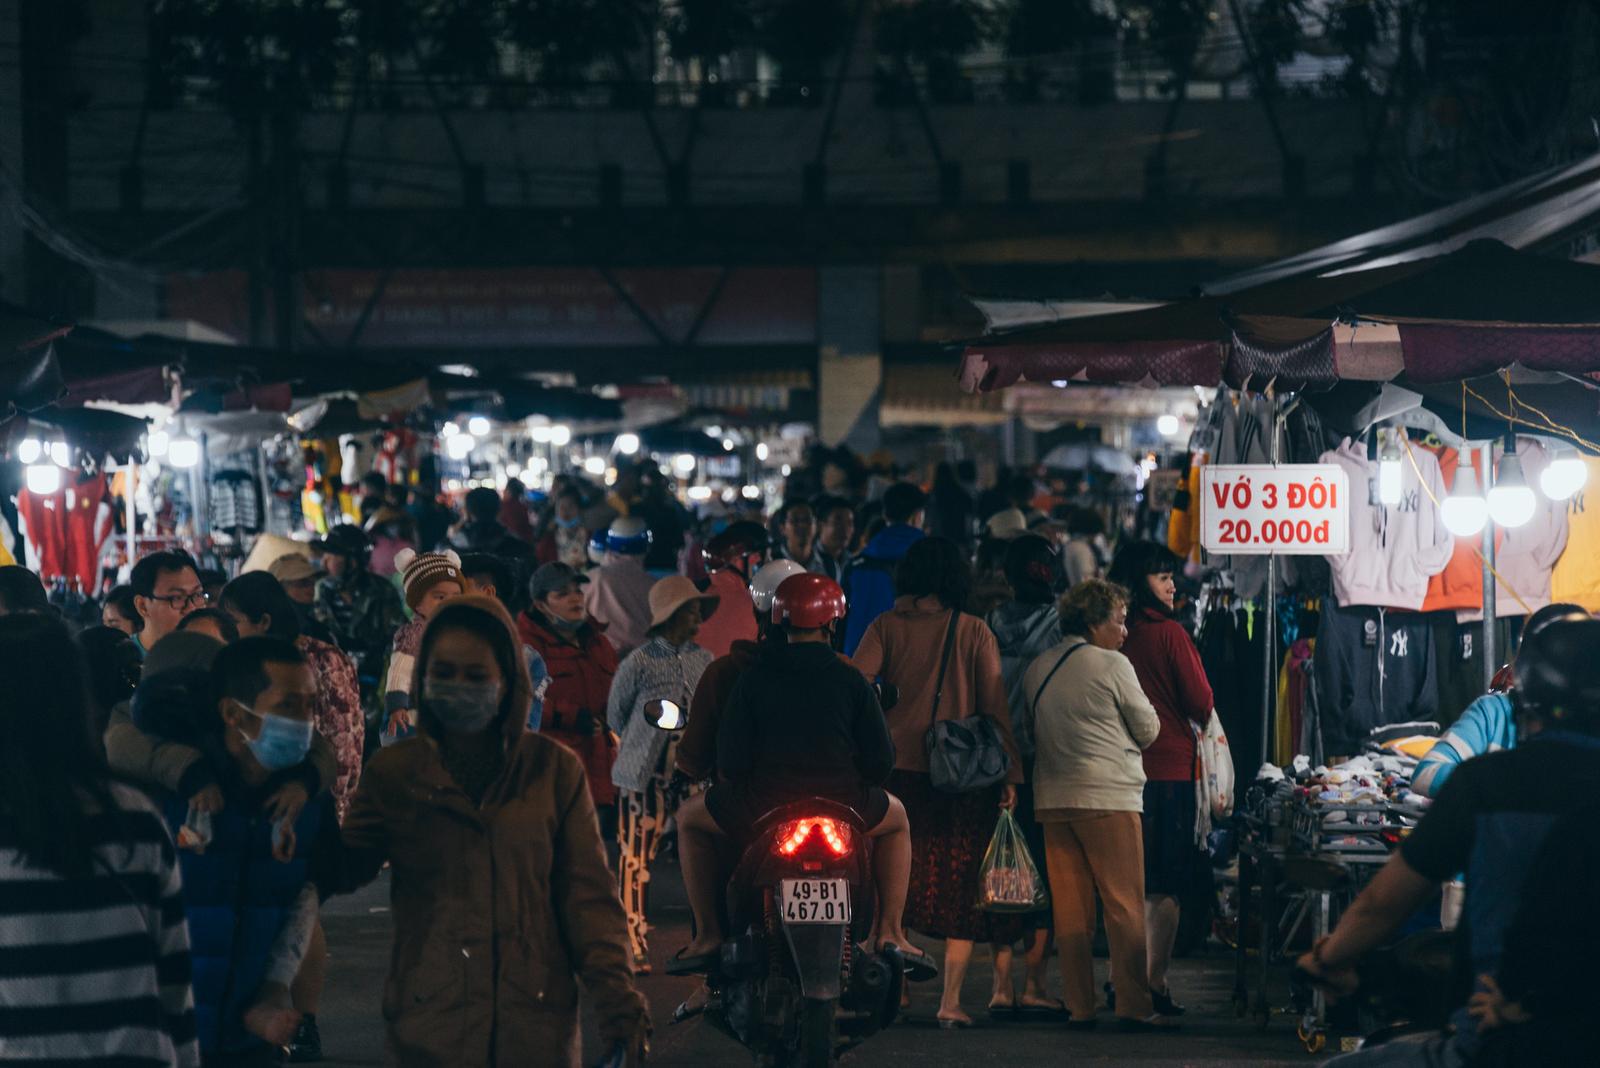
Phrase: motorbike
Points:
(1403, 989)
(795, 981)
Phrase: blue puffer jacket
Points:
(236, 898)
(870, 591)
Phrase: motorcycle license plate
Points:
(814, 900)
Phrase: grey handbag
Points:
(963, 754)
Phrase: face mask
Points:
(282, 743)
(568, 524)
(462, 707)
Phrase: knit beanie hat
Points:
(422, 571)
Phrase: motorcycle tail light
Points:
(792, 836)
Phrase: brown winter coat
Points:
(499, 909)
(904, 645)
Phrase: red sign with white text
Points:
(1293, 509)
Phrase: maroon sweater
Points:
(1173, 678)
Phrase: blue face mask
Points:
(282, 743)
(568, 524)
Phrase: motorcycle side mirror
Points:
(664, 715)
(888, 695)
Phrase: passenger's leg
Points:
(891, 868)
(1036, 989)
(697, 853)
(1161, 934)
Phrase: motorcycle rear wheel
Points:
(816, 1033)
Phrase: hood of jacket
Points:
(514, 705)
(1020, 627)
(892, 542)
(799, 658)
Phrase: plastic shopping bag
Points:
(1009, 880)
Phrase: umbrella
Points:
(1084, 456)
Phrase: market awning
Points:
(1470, 312)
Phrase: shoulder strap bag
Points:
(963, 754)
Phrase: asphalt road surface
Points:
(358, 929)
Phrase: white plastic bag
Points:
(1216, 768)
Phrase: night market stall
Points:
(1443, 403)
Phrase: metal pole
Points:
(130, 486)
(1269, 649)
(1490, 661)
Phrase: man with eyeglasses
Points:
(166, 587)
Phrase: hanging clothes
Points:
(44, 530)
(1394, 549)
(87, 523)
(1293, 681)
(1525, 558)
(1373, 667)
(235, 502)
(1459, 647)
(1576, 577)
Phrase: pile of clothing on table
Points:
(1368, 793)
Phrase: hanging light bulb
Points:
(183, 451)
(684, 464)
(1564, 476)
(627, 444)
(1511, 501)
(60, 454)
(762, 452)
(1464, 511)
(478, 426)
(157, 444)
(459, 446)
(1389, 473)
(595, 465)
(1168, 426)
(43, 479)
(540, 434)
(560, 434)
(29, 450)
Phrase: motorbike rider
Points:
(697, 749)
(1490, 820)
(800, 723)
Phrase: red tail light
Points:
(792, 836)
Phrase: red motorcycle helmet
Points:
(808, 602)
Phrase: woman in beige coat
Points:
(1091, 719)
(501, 895)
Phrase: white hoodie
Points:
(1526, 556)
(1394, 549)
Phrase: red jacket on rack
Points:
(1174, 679)
(581, 670)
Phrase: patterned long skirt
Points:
(949, 834)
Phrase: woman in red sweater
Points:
(1173, 678)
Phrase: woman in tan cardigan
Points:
(1091, 719)
(949, 832)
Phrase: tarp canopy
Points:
(1468, 312)
(1530, 214)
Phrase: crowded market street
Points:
(1212, 1036)
(797, 533)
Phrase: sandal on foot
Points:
(1002, 1010)
(1057, 1011)
(699, 964)
(953, 1024)
(920, 966)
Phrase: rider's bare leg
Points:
(697, 853)
(891, 869)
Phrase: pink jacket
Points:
(735, 617)
(618, 597)
(1394, 549)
